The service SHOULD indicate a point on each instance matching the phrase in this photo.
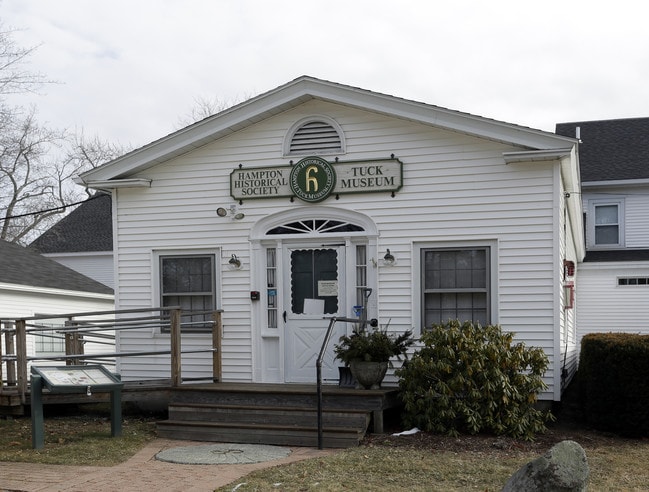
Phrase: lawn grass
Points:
(76, 437)
(381, 463)
(620, 467)
(384, 469)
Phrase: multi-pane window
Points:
(271, 281)
(50, 342)
(188, 282)
(361, 274)
(606, 224)
(633, 281)
(455, 285)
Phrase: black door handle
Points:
(284, 316)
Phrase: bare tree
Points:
(14, 78)
(204, 107)
(83, 153)
(30, 192)
(37, 163)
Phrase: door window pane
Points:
(309, 267)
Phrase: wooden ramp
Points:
(280, 414)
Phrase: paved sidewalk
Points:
(143, 472)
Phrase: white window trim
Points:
(156, 299)
(492, 244)
(590, 233)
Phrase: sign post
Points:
(73, 379)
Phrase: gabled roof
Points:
(87, 228)
(611, 150)
(298, 92)
(21, 266)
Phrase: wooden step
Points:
(281, 414)
(281, 395)
(280, 435)
(259, 414)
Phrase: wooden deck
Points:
(280, 414)
(150, 392)
(285, 414)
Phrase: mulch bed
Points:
(497, 445)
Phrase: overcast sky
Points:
(128, 70)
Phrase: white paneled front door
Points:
(314, 280)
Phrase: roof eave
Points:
(301, 90)
(615, 182)
(34, 289)
(536, 155)
(110, 184)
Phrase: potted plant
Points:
(367, 353)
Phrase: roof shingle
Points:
(89, 227)
(611, 150)
(22, 266)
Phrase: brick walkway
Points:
(141, 472)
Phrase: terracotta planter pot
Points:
(368, 374)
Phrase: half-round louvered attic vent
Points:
(314, 137)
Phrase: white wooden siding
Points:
(97, 266)
(18, 301)
(565, 366)
(636, 218)
(456, 188)
(603, 306)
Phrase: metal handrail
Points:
(318, 364)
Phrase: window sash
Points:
(50, 342)
(607, 224)
(455, 285)
(188, 281)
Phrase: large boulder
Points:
(563, 468)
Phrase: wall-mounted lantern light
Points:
(388, 259)
(234, 262)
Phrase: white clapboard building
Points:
(613, 289)
(283, 209)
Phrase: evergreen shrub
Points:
(468, 379)
(613, 382)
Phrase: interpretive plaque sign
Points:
(73, 379)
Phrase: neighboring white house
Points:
(32, 285)
(83, 240)
(613, 287)
(309, 187)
